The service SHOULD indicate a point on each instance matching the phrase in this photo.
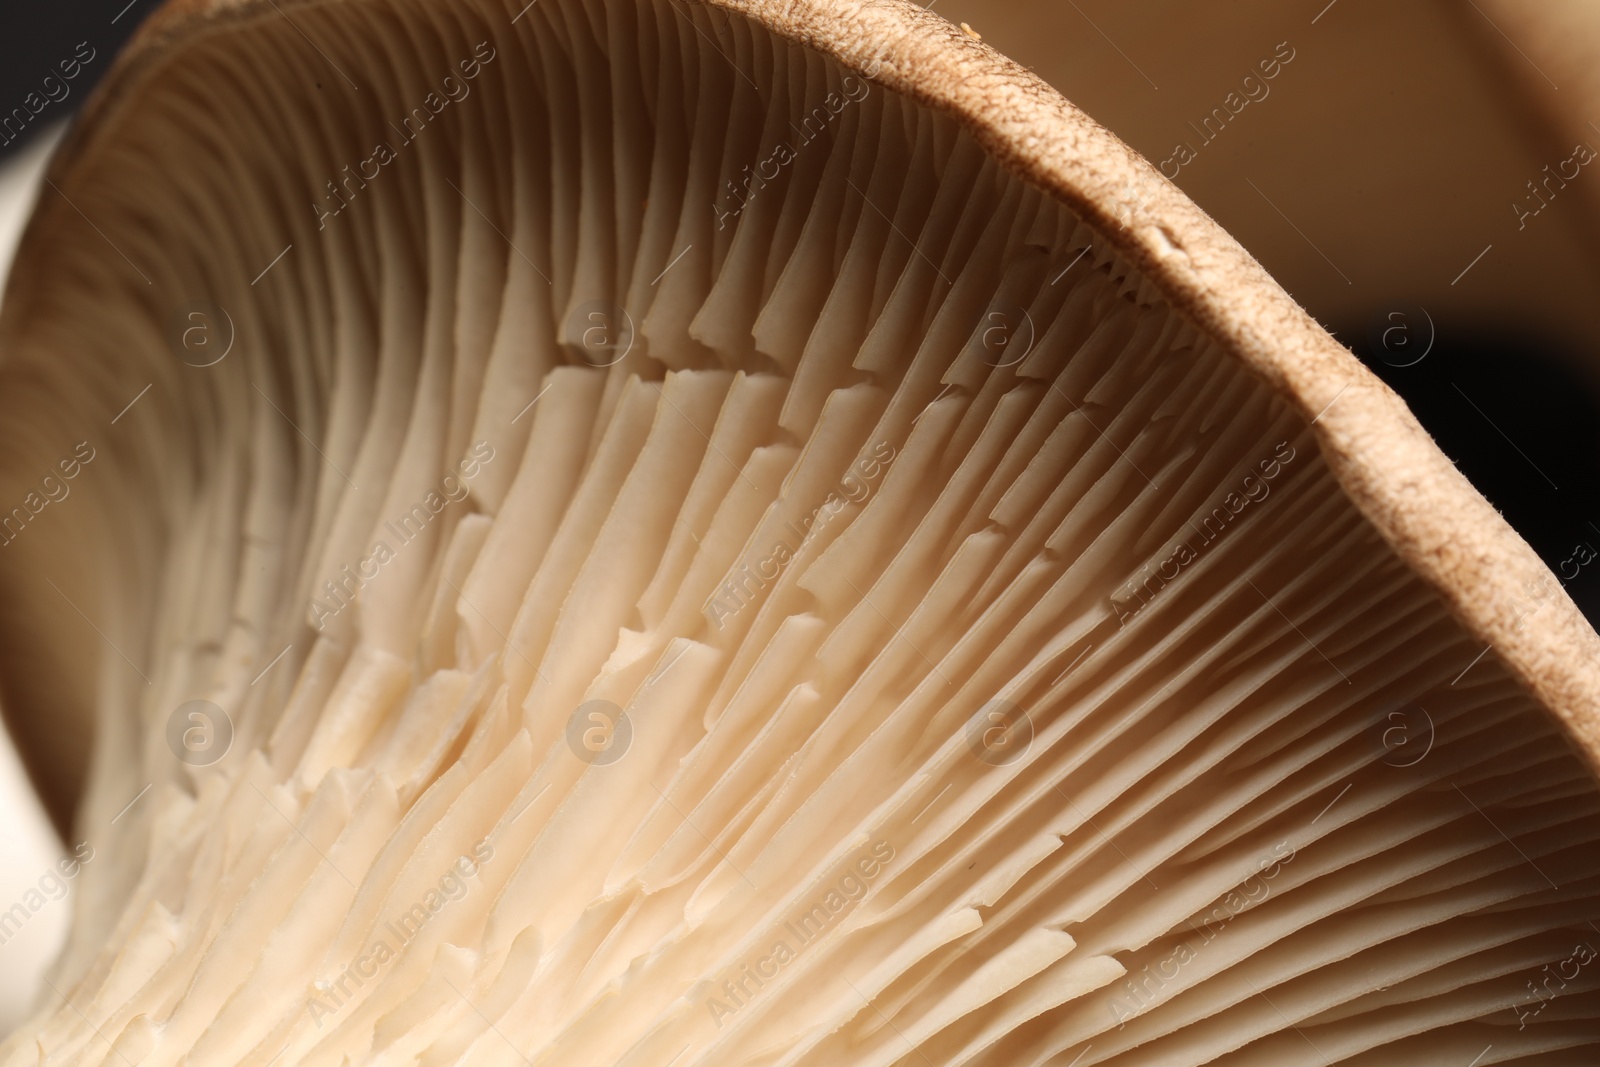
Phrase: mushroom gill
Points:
(635, 532)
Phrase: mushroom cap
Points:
(1381, 458)
(1388, 464)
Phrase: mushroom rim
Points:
(1440, 526)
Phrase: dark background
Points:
(40, 33)
(1390, 148)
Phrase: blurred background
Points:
(1417, 176)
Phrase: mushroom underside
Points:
(633, 543)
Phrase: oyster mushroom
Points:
(651, 533)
